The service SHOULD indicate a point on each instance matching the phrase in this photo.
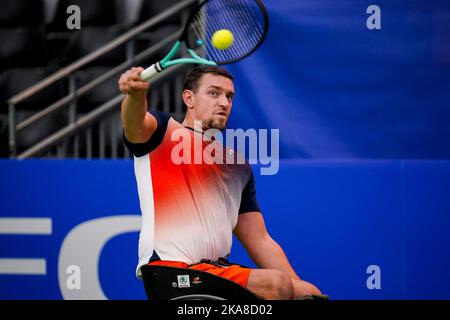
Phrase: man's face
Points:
(212, 102)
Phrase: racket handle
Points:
(150, 72)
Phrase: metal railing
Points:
(76, 126)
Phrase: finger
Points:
(130, 81)
(122, 80)
(124, 84)
(128, 75)
(124, 88)
(135, 75)
(121, 86)
(138, 85)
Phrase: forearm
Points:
(133, 112)
(269, 255)
(136, 121)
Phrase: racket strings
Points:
(239, 37)
(250, 16)
(239, 33)
(245, 20)
(235, 14)
(200, 33)
(224, 55)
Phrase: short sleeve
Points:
(248, 200)
(141, 149)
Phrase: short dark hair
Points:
(192, 79)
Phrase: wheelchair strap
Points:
(221, 262)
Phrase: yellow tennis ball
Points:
(222, 39)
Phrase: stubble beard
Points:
(217, 124)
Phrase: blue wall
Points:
(334, 219)
(336, 89)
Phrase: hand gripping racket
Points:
(247, 20)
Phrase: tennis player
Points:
(189, 211)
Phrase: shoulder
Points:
(141, 149)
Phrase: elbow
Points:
(136, 136)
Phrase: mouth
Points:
(221, 113)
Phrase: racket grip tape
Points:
(150, 72)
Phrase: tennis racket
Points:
(247, 20)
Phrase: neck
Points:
(197, 126)
(194, 124)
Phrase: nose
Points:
(223, 101)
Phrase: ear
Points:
(188, 98)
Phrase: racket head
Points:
(247, 20)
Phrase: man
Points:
(190, 210)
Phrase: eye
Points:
(214, 93)
(230, 97)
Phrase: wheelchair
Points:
(172, 283)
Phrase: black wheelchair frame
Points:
(171, 283)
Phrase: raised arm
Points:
(137, 122)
